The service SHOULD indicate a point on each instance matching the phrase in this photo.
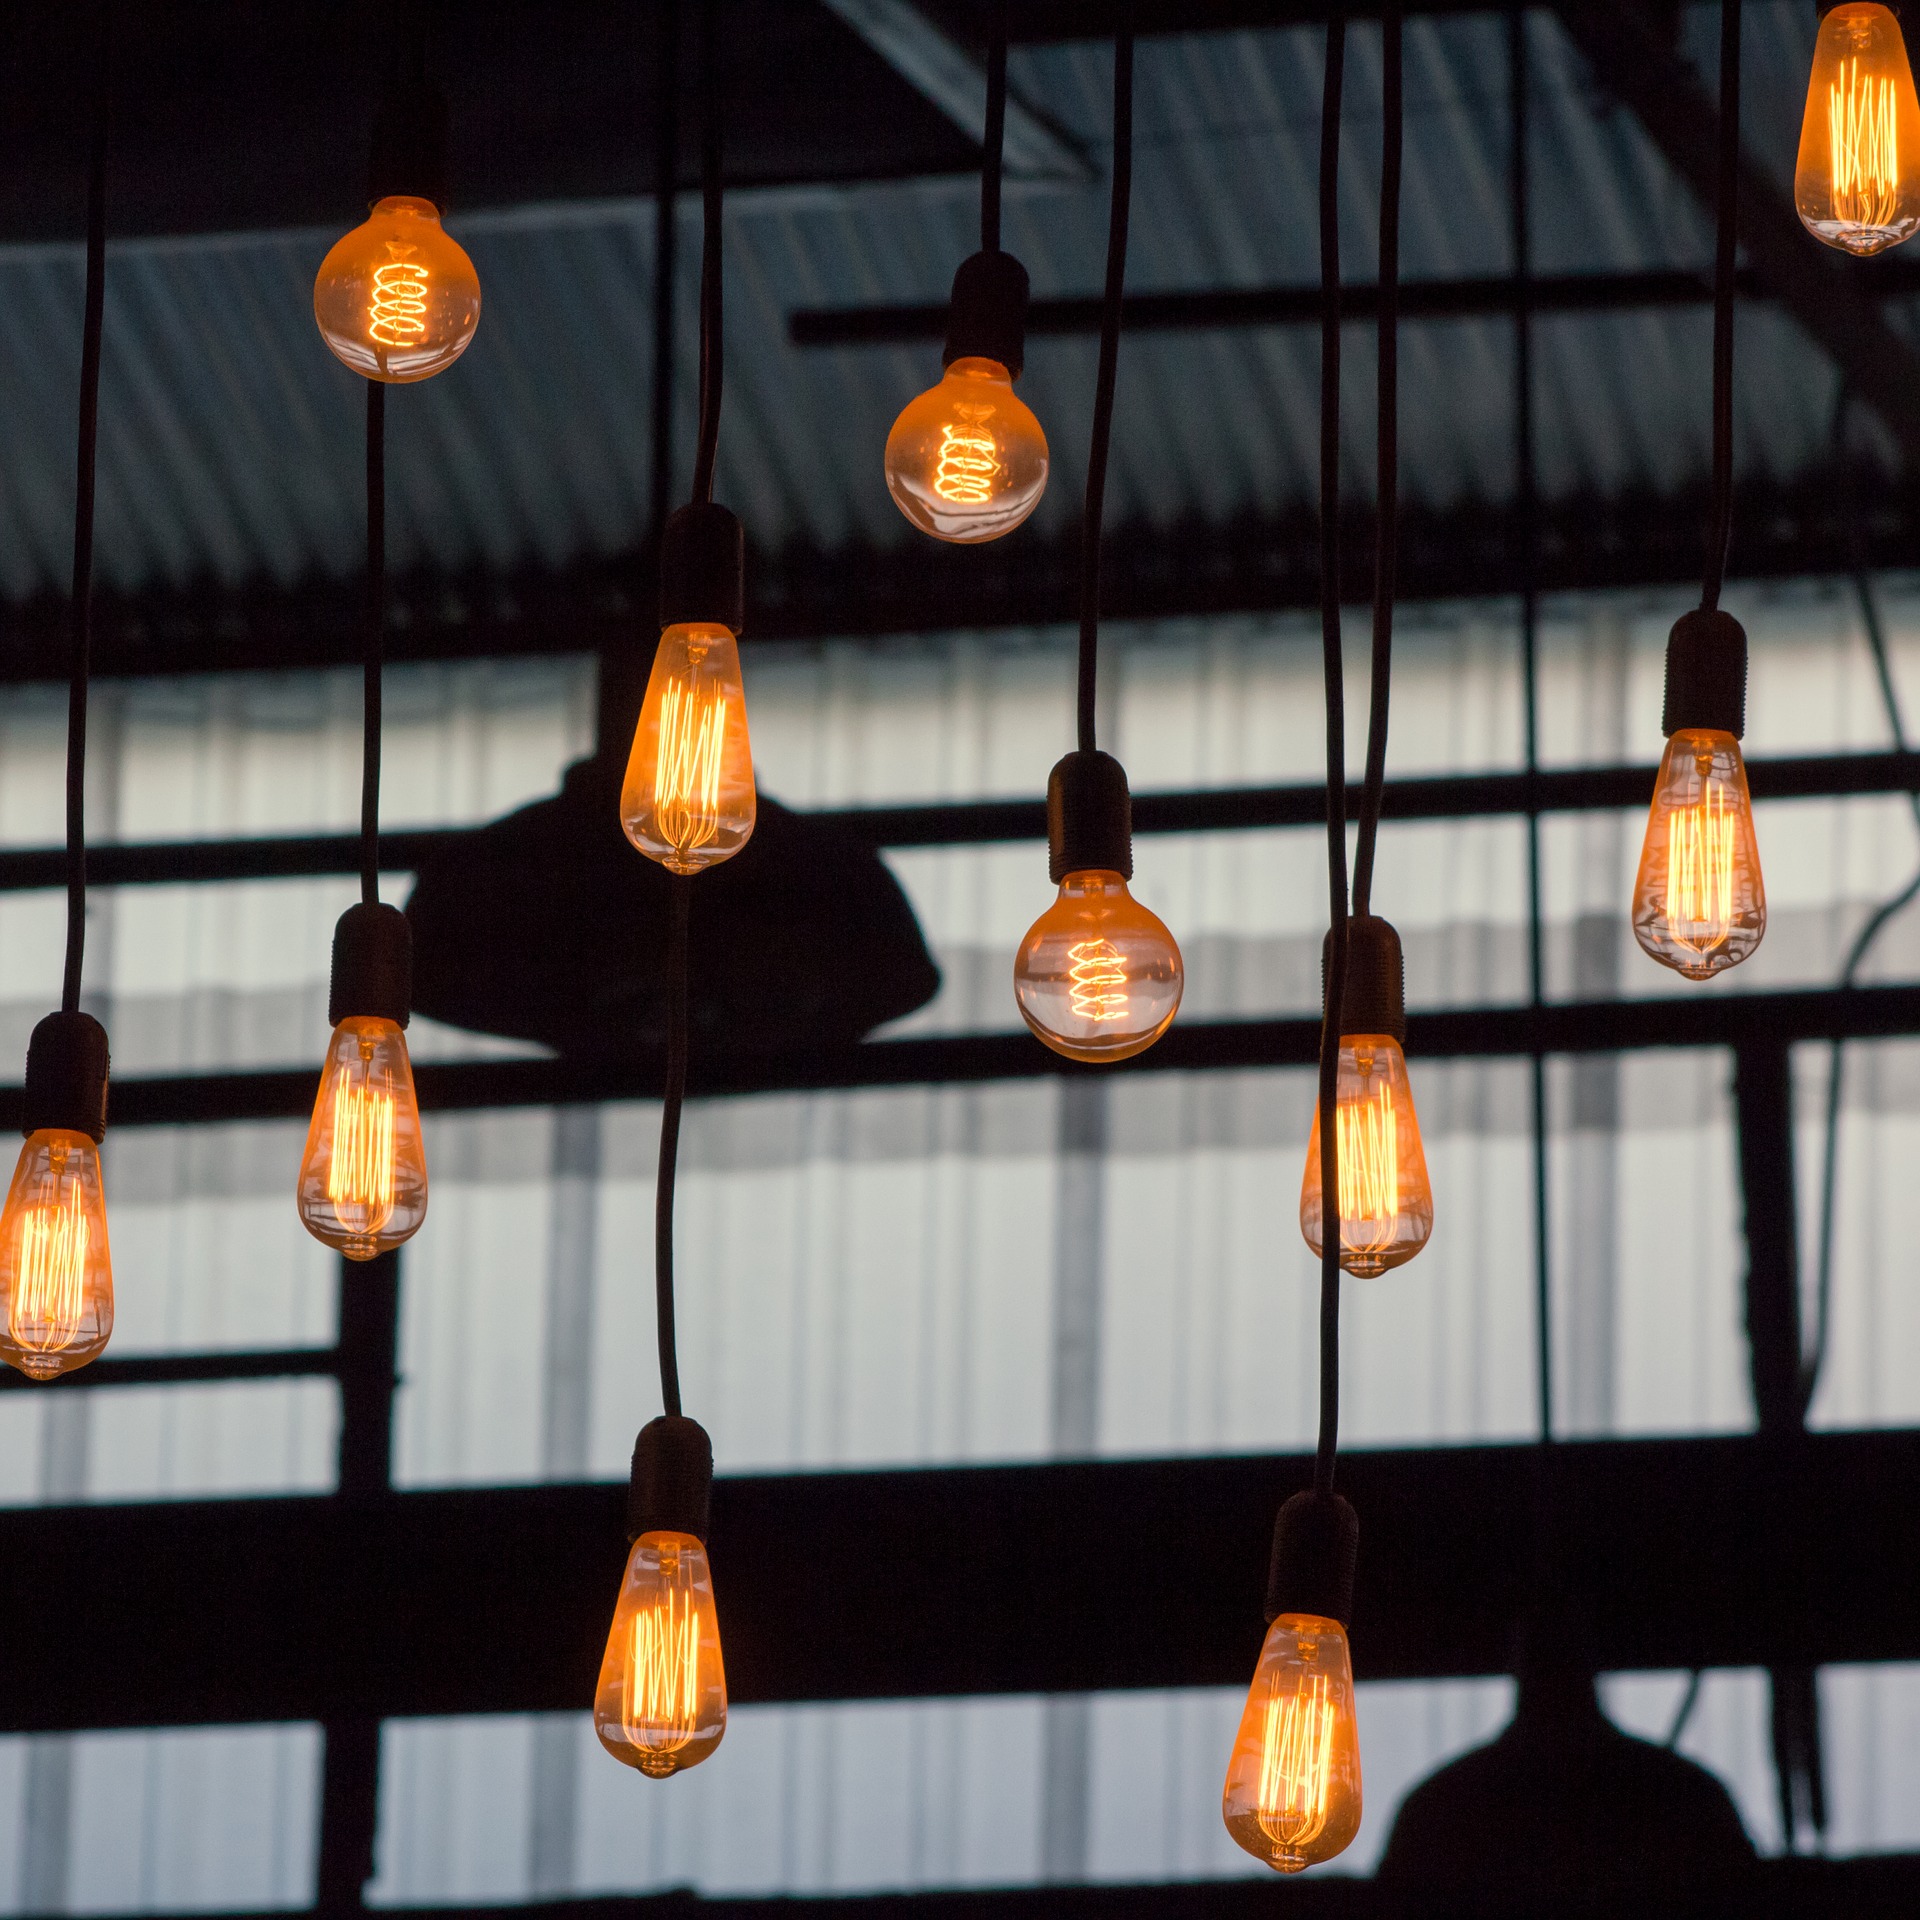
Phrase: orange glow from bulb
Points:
(363, 1179)
(688, 798)
(1855, 183)
(397, 299)
(56, 1272)
(1699, 905)
(1292, 1796)
(1386, 1199)
(966, 460)
(661, 1704)
(1098, 976)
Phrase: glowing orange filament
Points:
(1097, 980)
(1369, 1168)
(969, 460)
(49, 1294)
(1296, 1763)
(1864, 141)
(360, 1173)
(663, 1681)
(399, 312)
(686, 778)
(1700, 871)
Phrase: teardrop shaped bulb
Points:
(1698, 903)
(1386, 1199)
(661, 1704)
(56, 1271)
(1098, 977)
(1857, 181)
(967, 460)
(363, 1178)
(397, 299)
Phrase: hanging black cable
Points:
(1386, 459)
(1330, 642)
(1104, 384)
(680, 896)
(994, 138)
(666, 161)
(711, 368)
(1726, 247)
(80, 614)
(373, 639)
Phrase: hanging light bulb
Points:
(1857, 182)
(1699, 905)
(363, 1177)
(1098, 977)
(56, 1270)
(966, 460)
(661, 1704)
(397, 299)
(1386, 1200)
(1292, 1796)
(688, 797)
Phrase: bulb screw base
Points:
(1089, 817)
(703, 569)
(1706, 674)
(671, 1490)
(1375, 999)
(987, 314)
(67, 1077)
(409, 144)
(1316, 1546)
(372, 966)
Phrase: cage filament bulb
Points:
(688, 798)
(1386, 1199)
(661, 1704)
(1699, 904)
(1857, 180)
(56, 1272)
(363, 1178)
(397, 299)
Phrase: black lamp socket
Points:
(671, 1489)
(1089, 817)
(409, 145)
(67, 1077)
(1706, 674)
(703, 569)
(372, 966)
(987, 314)
(1316, 1547)
(1375, 995)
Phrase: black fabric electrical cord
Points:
(666, 159)
(711, 367)
(1386, 458)
(373, 642)
(1104, 384)
(994, 138)
(1726, 246)
(80, 606)
(1336, 755)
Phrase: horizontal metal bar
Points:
(1475, 298)
(1067, 1577)
(1704, 1019)
(186, 1369)
(982, 822)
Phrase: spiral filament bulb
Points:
(968, 460)
(662, 1696)
(1296, 1762)
(1700, 845)
(397, 312)
(686, 780)
(1097, 980)
(49, 1294)
(1864, 138)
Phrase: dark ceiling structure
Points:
(369, 1603)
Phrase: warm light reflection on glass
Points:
(661, 1704)
(1855, 181)
(363, 1177)
(1386, 1199)
(397, 299)
(56, 1271)
(688, 798)
(1098, 976)
(1699, 904)
(967, 460)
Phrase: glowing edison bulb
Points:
(661, 1704)
(397, 299)
(1698, 903)
(56, 1274)
(1386, 1200)
(1857, 181)
(1293, 1785)
(688, 798)
(966, 460)
(1098, 977)
(363, 1182)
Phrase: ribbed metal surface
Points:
(229, 438)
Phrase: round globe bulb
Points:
(966, 460)
(397, 299)
(1098, 977)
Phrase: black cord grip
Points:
(1316, 1546)
(67, 1076)
(1375, 996)
(372, 966)
(1706, 674)
(987, 316)
(703, 569)
(671, 1490)
(1089, 817)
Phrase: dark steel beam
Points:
(186, 1369)
(1631, 49)
(952, 1582)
